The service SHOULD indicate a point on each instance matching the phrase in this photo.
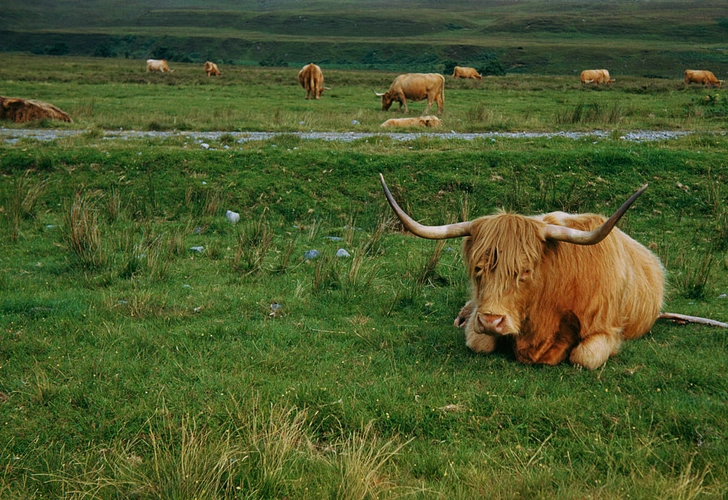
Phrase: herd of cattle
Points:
(404, 88)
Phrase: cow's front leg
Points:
(594, 350)
(479, 342)
(464, 315)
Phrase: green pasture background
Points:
(645, 39)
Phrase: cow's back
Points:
(617, 283)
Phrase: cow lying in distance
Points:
(465, 72)
(560, 285)
(24, 110)
(420, 121)
(158, 65)
(211, 69)
(595, 76)
(702, 77)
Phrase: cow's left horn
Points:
(377, 93)
(457, 230)
(569, 235)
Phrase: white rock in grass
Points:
(311, 254)
(199, 249)
(233, 217)
(342, 253)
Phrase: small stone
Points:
(342, 253)
(333, 238)
(199, 249)
(311, 254)
(205, 145)
(355, 122)
(233, 217)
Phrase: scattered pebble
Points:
(205, 145)
(342, 253)
(311, 254)
(198, 230)
(333, 238)
(187, 286)
(723, 296)
(233, 217)
(199, 249)
(355, 122)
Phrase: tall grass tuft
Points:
(83, 235)
(23, 200)
(693, 279)
(593, 113)
(254, 241)
(362, 458)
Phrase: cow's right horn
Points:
(377, 93)
(457, 230)
(578, 237)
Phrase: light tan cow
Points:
(595, 76)
(211, 69)
(415, 87)
(24, 110)
(158, 65)
(420, 121)
(465, 72)
(561, 286)
(311, 78)
(702, 77)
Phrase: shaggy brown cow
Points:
(415, 87)
(311, 78)
(25, 110)
(464, 72)
(560, 285)
(158, 65)
(596, 76)
(211, 69)
(702, 77)
(420, 121)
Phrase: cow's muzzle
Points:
(493, 324)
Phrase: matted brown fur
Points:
(311, 78)
(559, 299)
(25, 110)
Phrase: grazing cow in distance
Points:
(420, 121)
(702, 77)
(211, 69)
(559, 285)
(311, 78)
(595, 76)
(25, 110)
(464, 72)
(158, 65)
(415, 87)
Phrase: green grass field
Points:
(151, 349)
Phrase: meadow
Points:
(151, 349)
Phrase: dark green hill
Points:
(556, 37)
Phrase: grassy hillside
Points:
(653, 38)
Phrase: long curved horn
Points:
(377, 93)
(578, 237)
(457, 230)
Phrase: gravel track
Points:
(12, 136)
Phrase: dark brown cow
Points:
(560, 285)
(25, 110)
(415, 87)
(311, 78)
